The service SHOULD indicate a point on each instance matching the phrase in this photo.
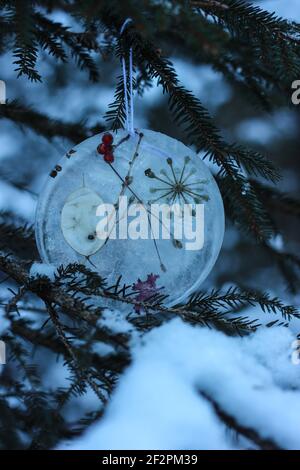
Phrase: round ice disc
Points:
(156, 209)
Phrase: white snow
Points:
(157, 404)
(43, 269)
(116, 321)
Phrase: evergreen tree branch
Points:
(235, 298)
(25, 116)
(84, 374)
(71, 305)
(274, 41)
(17, 237)
(198, 310)
(242, 17)
(80, 44)
(276, 199)
(245, 431)
(114, 362)
(25, 52)
(30, 28)
(289, 266)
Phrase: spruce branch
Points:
(30, 29)
(80, 44)
(208, 3)
(155, 304)
(245, 207)
(274, 41)
(198, 310)
(116, 114)
(289, 266)
(71, 305)
(25, 52)
(25, 116)
(13, 303)
(233, 423)
(247, 65)
(277, 200)
(243, 17)
(17, 235)
(82, 374)
(235, 298)
(113, 362)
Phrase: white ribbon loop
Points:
(129, 110)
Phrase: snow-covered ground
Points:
(158, 402)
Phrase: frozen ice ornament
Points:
(133, 205)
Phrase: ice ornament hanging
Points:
(133, 205)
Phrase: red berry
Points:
(107, 138)
(108, 157)
(102, 149)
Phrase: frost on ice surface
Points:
(158, 402)
(43, 269)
